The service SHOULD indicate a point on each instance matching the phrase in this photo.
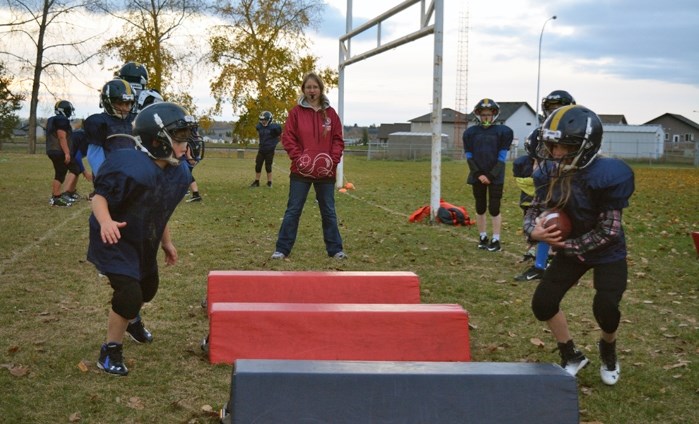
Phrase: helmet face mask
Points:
(116, 91)
(65, 108)
(577, 127)
(486, 104)
(148, 97)
(161, 125)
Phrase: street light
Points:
(538, 74)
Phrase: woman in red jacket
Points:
(313, 140)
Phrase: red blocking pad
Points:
(372, 332)
(278, 391)
(313, 287)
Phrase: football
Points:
(559, 219)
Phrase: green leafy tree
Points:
(148, 37)
(260, 54)
(9, 104)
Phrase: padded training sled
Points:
(312, 287)
(373, 332)
(266, 392)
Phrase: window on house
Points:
(676, 138)
(689, 137)
(667, 137)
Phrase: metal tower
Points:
(460, 122)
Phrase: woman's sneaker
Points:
(138, 332)
(111, 359)
(572, 360)
(278, 255)
(610, 369)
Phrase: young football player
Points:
(105, 131)
(58, 133)
(269, 133)
(522, 169)
(592, 191)
(136, 192)
(485, 147)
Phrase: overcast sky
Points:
(639, 58)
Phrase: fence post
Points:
(696, 154)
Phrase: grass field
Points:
(53, 305)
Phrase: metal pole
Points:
(437, 109)
(538, 74)
(340, 172)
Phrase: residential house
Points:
(613, 119)
(677, 128)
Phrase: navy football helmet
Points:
(266, 117)
(113, 91)
(575, 126)
(65, 108)
(486, 104)
(155, 127)
(532, 142)
(134, 73)
(556, 99)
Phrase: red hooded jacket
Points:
(313, 140)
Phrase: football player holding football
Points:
(592, 191)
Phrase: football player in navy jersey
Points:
(522, 169)
(136, 192)
(485, 147)
(592, 191)
(105, 130)
(58, 133)
(269, 133)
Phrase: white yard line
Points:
(17, 255)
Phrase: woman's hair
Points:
(317, 79)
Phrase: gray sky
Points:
(639, 58)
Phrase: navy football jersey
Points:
(54, 123)
(100, 126)
(144, 196)
(604, 185)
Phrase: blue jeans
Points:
(298, 192)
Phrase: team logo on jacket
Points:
(320, 166)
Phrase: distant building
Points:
(386, 129)
(613, 119)
(633, 141)
(677, 128)
(517, 115)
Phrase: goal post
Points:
(431, 22)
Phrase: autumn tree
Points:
(9, 104)
(148, 37)
(259, 53)
(45, 29)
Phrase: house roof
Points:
(386, 129)
(677, 117)
(449, 116)
(613, 119)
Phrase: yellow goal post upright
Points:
(431, 22)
